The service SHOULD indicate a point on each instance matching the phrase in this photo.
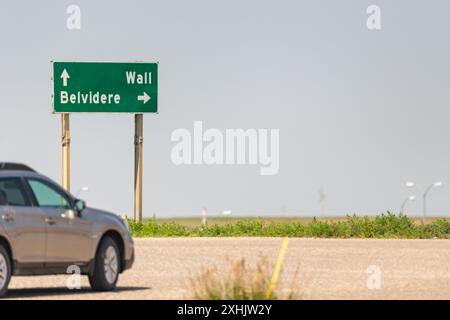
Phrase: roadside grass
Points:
(386, 225)
(192, 222)
(237, 281)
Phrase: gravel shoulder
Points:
(313, 268)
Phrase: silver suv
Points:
(45, 230)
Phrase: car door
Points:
(69, 236)
(23, 223)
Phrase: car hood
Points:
(102, 215)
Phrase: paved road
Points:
(314, 268)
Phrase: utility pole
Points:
(322, 197)
(204, 213)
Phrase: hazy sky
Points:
(359, 112)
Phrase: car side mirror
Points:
(79, 206)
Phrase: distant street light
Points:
(410, 198)
(82, 189)
(410, 184)
(431, 186)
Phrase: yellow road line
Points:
(277, 268)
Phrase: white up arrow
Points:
(65, 76)
(145, 97)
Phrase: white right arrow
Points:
(145, 97)
(65, 76)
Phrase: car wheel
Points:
(106, 266)
(5, 270)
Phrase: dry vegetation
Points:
(236, 281)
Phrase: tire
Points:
(5, 270)
(104, 278)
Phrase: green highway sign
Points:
(125, 87)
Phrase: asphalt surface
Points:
(313, 269)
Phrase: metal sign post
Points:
(138, 144)
(65, 143)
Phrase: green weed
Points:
(386, 225)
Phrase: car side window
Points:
(12, 193)
(47, 195)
